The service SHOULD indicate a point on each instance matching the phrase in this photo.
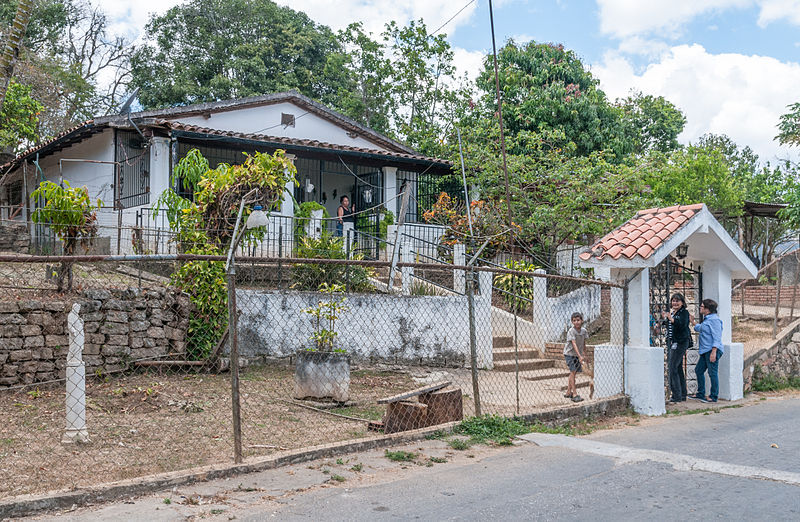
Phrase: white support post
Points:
(717, 286)
(459, 276)
(76, 381)
(406, 272)
(287, 203)
(483, 321)
(390, 189)
(644, 365)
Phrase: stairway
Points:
(532, 365)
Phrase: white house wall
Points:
(267, 120)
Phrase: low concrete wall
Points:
(551, 316)
(781, 357)
(375, 326)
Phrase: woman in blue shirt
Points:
(710, 348)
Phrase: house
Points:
(126, 160)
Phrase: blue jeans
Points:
(703, 364)
(339, 229)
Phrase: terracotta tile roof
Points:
(642, 235)
(299, 142)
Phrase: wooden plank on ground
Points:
(413, 393)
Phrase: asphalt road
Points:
(673, 468)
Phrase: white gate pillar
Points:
(644, 364)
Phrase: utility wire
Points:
(452, 18)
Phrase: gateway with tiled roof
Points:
(627, 254)
(655, 233)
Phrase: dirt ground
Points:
(147, 423)
(754, 333)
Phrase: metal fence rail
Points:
(297, 352)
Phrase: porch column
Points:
(287, 203)
(390, 189)
(160, 162)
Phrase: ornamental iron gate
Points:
(671, 276)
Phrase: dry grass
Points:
(754, 333)
(146, 423)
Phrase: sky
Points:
(731, 66)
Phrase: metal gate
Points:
(133, 182)
(368, 198)
(671, 276)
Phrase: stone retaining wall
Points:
(14, 237)
(121, 326)
(782, 357)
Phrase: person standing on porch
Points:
(344, 214)
(678, 339)
(710, 349)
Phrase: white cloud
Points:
(128, 19)
(734, 94)
(775, 10)
(470, 62)
(666, 18)
(375, 13)
(624, 18)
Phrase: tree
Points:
(71, 215)
(365, 98)
(206, 50)
(653, 122)
(75, 70)
(789, 126)
(19, 118)
(547, 92)
(206, 225)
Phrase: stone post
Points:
(406, 272)
(76, 381)
(459, 276)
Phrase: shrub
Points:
(309, 276)
(517, 291)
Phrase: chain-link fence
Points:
(160, 373)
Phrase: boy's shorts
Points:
(573, 363)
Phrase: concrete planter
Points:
(322, 375)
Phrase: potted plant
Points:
(322, 371)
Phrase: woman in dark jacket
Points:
(678, 338)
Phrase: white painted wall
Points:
(266, 120)
(551, 315)
(375, 325)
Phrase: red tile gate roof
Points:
(644, 234)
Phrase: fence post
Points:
(778, 284)
(76, 381)
(280, 257)
(347, 257)
(516, 344)
(473, 349)
(625, 335)
(233, 336)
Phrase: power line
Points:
(452, 17)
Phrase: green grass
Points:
(459, 444)
(763, 381)
(492, 428)
(437, 435)
(438, 460)
(357, 467)
(400, 456)
(338, 478)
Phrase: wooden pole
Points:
(777, 301)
